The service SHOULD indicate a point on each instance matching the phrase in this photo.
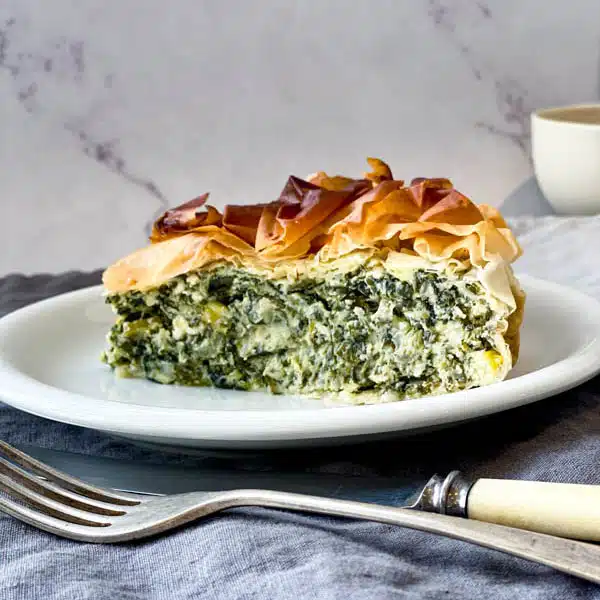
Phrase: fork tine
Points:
(47, 506)
(70, 483)
(55, 492)
(46, 522)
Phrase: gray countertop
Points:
(265, 554)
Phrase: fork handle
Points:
(569, 556)
(561, 509)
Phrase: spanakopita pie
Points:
(367, 289)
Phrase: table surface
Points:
(257, 553)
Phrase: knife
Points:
(152, 479)
(560, 509)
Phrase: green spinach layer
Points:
(363, 331)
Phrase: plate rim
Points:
(25, 393)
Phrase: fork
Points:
(68, 507)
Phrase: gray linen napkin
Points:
(262, 554)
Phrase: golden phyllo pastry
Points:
(362, 289)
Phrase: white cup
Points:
(566, 157)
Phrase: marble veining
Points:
(514, 105)
(448, 17)
(61, 58)
(515, 108)
(65, 59)
(111, 113)
(107, 154)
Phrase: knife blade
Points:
(144, 478)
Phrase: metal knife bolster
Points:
(446, 496)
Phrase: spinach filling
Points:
(363, 331)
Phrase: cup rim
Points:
(549, 114)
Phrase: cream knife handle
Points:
(562, 509)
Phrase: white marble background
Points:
(113, 109)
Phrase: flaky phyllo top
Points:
(323, 218)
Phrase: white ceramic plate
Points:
(49, 366)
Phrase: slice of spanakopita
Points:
(366, 289)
